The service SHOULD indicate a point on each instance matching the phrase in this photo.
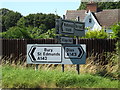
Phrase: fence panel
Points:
(17, 47)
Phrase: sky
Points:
(26, 7)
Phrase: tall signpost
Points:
(70, 28)
(56, 54)
(77, 67)
(65, 52)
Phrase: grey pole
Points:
(36, 66)
(63, 64)
(77, 66)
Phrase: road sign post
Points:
(71, 28)
(77, 66)
(63, 64)
(64, 53)
(56, 54)
(65, 40)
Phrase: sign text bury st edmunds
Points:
(45, 54)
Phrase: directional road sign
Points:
(73, 52)
(41, 53)
(56, 54)
(65, 40)
(68, 27)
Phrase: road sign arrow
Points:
(32, 53)
(81, 52)
(56, 54)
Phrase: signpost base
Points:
(36, 66)
(62, 67)
(78, 68)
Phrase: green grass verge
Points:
(16, 77)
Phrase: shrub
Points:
(116, 31)
(99, 34)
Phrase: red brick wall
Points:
(92, 7)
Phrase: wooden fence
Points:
(17, 47)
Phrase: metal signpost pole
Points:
(77, 66)
(36, 66)
(63, 64)
(63, 53)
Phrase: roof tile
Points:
(106, 18)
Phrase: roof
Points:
(105, 18)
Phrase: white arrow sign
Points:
(68, 27)
(56, 54)
(45, 54)
(65, 40)
(74, 52)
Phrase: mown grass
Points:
(26, 77)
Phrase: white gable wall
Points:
(93, 25)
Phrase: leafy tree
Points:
(109, 5)
(36, 20)
(35, 32)
(99, 34)
(36, 26)
(16, 32)
(49, 34)
(9, 18)
(4, 11)
(82, 6)
(102, 5)
(116, 30)
(21, 22)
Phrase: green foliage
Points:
(9, 18)
(36, 20)
(99, 34)
(21, 22)
(16, 32)
(36, 32)
(28, 32)
(49, 34)
(82, 6)
(36, 26)
(102, 5)
(4, 11)
(16, 77)
(116, 31)
(0, 35)
(109, 5)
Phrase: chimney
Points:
(92, 6)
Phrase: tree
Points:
(4, 11)
(32, 26)
(102, 5)
(99, 34)
(35, 32)
(16, 32)
(49, 34)
(36, 20)
(82, 6)
(116, 31)
(9, 18)
(109, 5)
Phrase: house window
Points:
(90, 20)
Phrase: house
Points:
(95, 18)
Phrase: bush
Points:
(99, 34)
(116, 30)
(16, 32)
